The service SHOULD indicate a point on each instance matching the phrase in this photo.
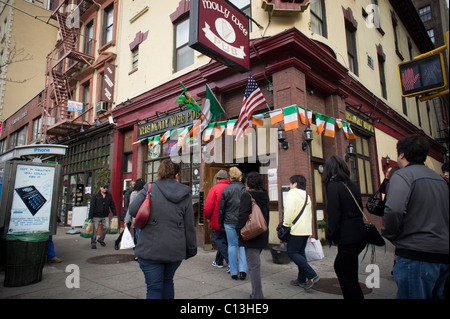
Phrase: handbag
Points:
(375, 205)
(373, 235)
(313, 250)
(284, 232)
(256, 223)
(143, 213)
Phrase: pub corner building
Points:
(303, 58)
(290, 69)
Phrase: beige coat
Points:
(293, 203)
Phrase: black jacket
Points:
(230, 202)
(100, 206)
(262, 199)
(345, 221)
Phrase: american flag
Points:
(253, 99)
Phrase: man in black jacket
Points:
(101, 203)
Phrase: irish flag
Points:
(309, 116)
(302, 112)
(210, 111)
(290, 118)
(329, 127)
(276, 116)
(230, 126)
(320, 122)
(348, 131)
(208, 131)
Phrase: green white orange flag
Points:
(290, 118)
(320, 123)
(258, 119)
(348, 131)
(309, 116)
(329, 127)
(210, 111)
(219, 129)
(166, 136)
(230, 126)
(208, 131)
(339, 123)
(302, 113)
(276, 116)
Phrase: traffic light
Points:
(422, 75)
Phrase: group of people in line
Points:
(416, 221)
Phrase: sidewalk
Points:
(195, 279)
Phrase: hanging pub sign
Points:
(221, 31)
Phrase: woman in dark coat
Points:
(169, 236)
(254, 246)
(345, 224)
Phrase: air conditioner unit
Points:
(101, 107)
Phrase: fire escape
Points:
(62, 63)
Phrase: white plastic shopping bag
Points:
(127, 240)
(313, 250)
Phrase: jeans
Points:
(50, 249)
(254, 269)
(105, 227)
(220, 238)
(417, 279)
(159, 278)
(234, 249)
(296, 251)
(346, 268)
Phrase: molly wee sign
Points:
(219, 30)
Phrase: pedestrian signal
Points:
(422, 75)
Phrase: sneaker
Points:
(101, 242)
(310, 282)
(216, 265)
(242, 275)
(228, 269)
(234, 277)
(54, 260)
(297, 283)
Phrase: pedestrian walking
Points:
(254, 246)
(101, 204)
(345, 226)
(230, 202)
(126, 202)
(169, 236)
(300, 231)
(211, 212)
(416, 221)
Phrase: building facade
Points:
(113, 78)
(316, 55)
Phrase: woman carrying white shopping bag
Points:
(296, 201)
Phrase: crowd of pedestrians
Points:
(416, 221)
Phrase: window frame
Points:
(108, 28)
(176, 66)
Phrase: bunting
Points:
(329, 127)
(320, 123)
(290, 114)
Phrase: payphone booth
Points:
(29, 187)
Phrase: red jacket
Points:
(211, 208)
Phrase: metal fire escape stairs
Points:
(62, 62)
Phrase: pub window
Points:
(318, 21)
(189, 169)
(184, 55)
(360, 165)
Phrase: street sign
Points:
(422, 75)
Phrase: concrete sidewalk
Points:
(195, 279)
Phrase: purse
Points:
(284, 232)
(143, 213)
(373, 235)
(256, 223)
(375, 205)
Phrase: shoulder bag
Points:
(256, 223)
(373, 235)
(284, 232)
(375, 205)
(143, 213)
